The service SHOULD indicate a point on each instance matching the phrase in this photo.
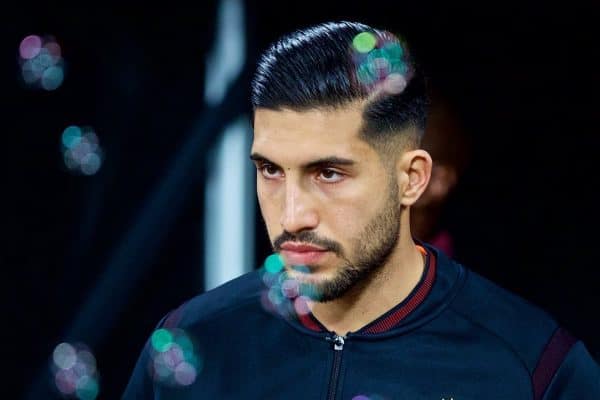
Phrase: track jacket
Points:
(457, 336)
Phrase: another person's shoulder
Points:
(236, 296)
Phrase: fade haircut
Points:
(327, 66)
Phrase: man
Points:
(349, 306)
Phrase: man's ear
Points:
(414, 172)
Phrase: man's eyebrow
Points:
(259, 158)
(331, 160)
(325, 161)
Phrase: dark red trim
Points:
(393, 318)
(309, 322)
(554, 354)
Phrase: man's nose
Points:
(299, 212)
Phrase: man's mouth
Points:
(301, 253)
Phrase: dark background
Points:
(521, 76)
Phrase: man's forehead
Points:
(316, 128)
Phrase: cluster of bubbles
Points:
(369, 397)
(74, 370)
(381, 63)
(81, 150)
(174, 361)
(284, 295)
(42, 65)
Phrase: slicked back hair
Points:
(320, 67)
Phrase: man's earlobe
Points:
(416, 164)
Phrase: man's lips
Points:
(300, 247)
(301, 254)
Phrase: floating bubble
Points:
(53, 49)
(301, 305)
(394, 83)
(361, 397)
(86, 388)
(71, 136)
(90, 163)
(274, 263)
(65, 381)
(364, 42)
(185, 373)
(179, 364)
(64, 356)
(290, 288)
(52, 78)
(30, 46)
(161, 340)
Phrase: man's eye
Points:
(269, 171)
(330, 176)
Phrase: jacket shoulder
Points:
(519, 324)
(236, 294)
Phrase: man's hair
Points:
(335, 63)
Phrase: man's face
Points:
(328, 202)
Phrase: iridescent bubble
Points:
(64, 356)
(65, 381)
(71, 136)
(185, 343)
(161, 370)
(394, 83)
(290, 288)
(90, 163)
(173, 356)
(161, 340)
(301, 305)
(30, 47)
(185, 373)
(364, 42)
(274, 263)
(87, 388)
(53, 49)
(42, 61)
(361, 397)
(365, 74)
(52, 78)
(275, 296)
(29, 73)
(301, 268)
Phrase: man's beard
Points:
(372, 248)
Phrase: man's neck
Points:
(374, 297)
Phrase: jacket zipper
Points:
(338, 346)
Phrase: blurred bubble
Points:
(301, 305)
(71, 136)
(30, 46)
(274, 263)
(90, 163)
(75, 373)
(81, 150)
(53, 49)
(174, 359)
(185, 374)
(64, 356)
(52, 78)
(394, 83)
(162, 340)
(364, 42)
(361, 397)
(41, 62)
(65, 381)
(86, 388)
(290, 288)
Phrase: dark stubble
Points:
(372, 248)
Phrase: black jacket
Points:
(457, 336)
